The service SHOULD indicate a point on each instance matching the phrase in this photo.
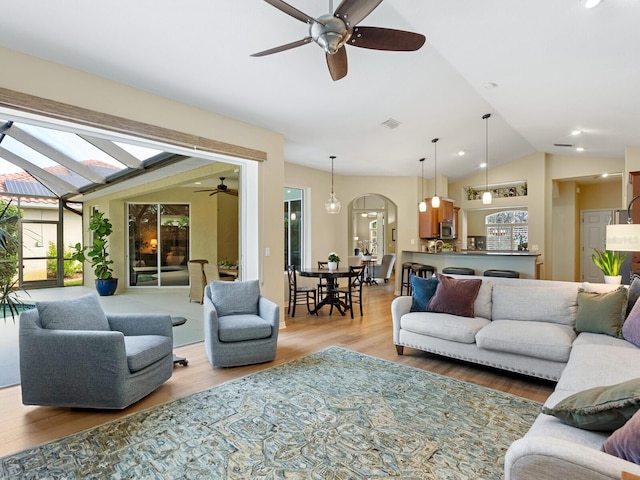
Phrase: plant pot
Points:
(613, 280)
(366, 258)
(107, 286)
(332, 266)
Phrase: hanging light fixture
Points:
(435, 200)
(364, 202)
(422, 206)
(332, 205)
(486, 196)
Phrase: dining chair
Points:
(353, 293)
(299, 294)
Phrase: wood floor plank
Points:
(26, 426)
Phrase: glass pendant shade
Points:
(422, 206)
(435, 201)
(486, 198)
(332, 205)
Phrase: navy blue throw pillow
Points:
(423, 290)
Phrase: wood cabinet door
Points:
(428, 222)
(446, 211)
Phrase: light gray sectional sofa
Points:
(527, 326)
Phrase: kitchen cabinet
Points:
(428, 222)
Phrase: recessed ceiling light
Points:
(461, 153)
(198, 183)
(605, 175)
(579, 149)
(483, 165)
(591, 3)
(576, 132)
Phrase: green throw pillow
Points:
(602, 312)
(600, 408)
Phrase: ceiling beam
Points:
(117, 152)
(55, 155)
(50, 181)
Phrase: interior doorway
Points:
(372, 225)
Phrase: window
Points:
(293, 227)
(507, 230)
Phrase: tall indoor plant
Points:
(609, 262)
(98, 255)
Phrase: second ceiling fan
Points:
(222, 188)
(333, 31)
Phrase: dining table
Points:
(330, 276)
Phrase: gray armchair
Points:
(240, 325)
(73, 355)
(385, 268)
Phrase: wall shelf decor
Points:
(511, 189)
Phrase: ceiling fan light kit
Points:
(333, 31)
(332, 205)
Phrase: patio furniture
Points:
(197, 280)
(73, 355)
(240, 325)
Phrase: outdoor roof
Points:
(37, 161)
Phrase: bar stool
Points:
(459, 271)
(424, 271)
(501, 273)
(406, 267)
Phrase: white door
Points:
(592, 235)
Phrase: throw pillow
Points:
(602, 312)
(634, 293)
(625, 442)
(600, 408)
(631, 326)
(455, 296)
(423, 290)
(81, 313)
(235, 298)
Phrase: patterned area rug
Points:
(335, 414)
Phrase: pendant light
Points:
(364, 214)
(435, 201)
(486, 196)
(422, 206)
(332, 205)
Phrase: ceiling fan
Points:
(334, 30)
(222, 188)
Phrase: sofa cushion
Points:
(441, 325)
(601, 312)
(238, 328)
(631, 326)
(455, 296)
(144, 350)
(556, 304)
(81, 313)
(423, 290)
(600, 408)
(533, 339)
(625, 442)
(235, 298)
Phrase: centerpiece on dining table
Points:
(333, 260)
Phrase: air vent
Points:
(563, 145)
(391, 123)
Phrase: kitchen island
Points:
(525, 263)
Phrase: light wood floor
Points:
(23, 426)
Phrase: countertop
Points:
(481, 252)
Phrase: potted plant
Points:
(101, 228)
(333, 260)
(609, 262)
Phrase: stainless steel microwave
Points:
(447, 231)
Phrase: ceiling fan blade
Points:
(337, 64)
(377, 38)
(232, 192)
(207, 190)
(289, 10)
(353, 12)
(282, 48)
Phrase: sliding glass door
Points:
(159, 242)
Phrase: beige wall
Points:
(45, 79)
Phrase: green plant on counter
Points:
(608, 261)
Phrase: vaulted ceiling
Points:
(543, 69)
